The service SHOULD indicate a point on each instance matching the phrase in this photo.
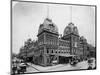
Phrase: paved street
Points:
(59, 67)
(31, 69)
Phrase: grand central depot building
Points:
(50, 46)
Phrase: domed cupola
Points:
(71, 29)
(48, 25)
(83, 39)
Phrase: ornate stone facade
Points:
(50, 47)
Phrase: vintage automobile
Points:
(14, 69)
(91, 63)
(73, 62)
(14, 66)
(54, 62)
(21, 68)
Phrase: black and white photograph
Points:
(52, 37)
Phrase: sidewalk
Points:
(82, 65)
(41, 68)
(59, 67)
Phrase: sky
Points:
(26, 18)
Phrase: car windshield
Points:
(90, 61)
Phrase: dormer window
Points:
(48, 25)
(51, 25)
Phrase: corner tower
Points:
(47, 40)
(71, 34)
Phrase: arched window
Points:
(47, 51)
(52, 51)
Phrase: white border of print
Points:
(5, 37)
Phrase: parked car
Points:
(14, 68)
(54, 62)
(91, 63)
(74, 61)
(22, 68)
